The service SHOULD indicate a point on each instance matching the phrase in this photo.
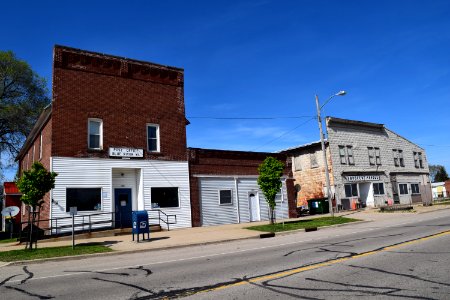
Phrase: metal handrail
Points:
(166, 221)
(53, 227)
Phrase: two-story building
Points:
(115, 133)
(369, 165)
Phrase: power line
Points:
(247, 118)
(445, 146)
(285, 133)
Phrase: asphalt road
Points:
(404, 257)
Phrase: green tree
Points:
(433, 170)
(269, 181)
(23, 95)
(441, 174)
(33, 185)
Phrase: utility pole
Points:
(327, 175)
(325, 161)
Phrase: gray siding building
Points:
(369, 165)
(374, 165)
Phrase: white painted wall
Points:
(212, 213)
(140, 175)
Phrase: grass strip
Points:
(25, 254)
(442, 203)
(6, 241)
(302, 224)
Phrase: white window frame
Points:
(101, 133)
(313, 160)
(377, 156)
(351, 190)
(342, 156)
(158, 149)
(350, 157)
(420, 159)
(297, 163)
(400, 190)
(40, 147)
(378, 183)
(231, 198)
(401, 160)
(418, 189)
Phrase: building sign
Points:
(125, 152)
(363, 178)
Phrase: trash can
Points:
(324, 206)
(318, 206)
(140, 223)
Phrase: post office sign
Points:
(125, 152)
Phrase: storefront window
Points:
(378, 188)
(403, 188)
(351, 190)
(415, 188)
(85, 199)
(165, 197)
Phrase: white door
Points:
(253, 201)
(404, 194)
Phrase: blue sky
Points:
(267, 59)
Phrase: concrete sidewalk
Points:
(207, 235)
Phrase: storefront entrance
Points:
(123, 207)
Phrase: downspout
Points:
(237, 199)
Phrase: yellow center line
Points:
(322, 264)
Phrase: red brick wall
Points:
(125, 94)
(25, 164)
(222, 162)
(312, 180)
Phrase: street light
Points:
(327, 175)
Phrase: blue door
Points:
(123, 207)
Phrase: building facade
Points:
(115, 133)
(369, 165)
(224, 188)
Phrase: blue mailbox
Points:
(140, 224)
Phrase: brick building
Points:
(369, 165)
(224, 188)
(115, 133)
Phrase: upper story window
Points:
(95, 134)
(346, 155)
(297, 163)
(153, 137)
(398, 157)
(374, 156)
(40, 147)
(313, 160)
(418, 162)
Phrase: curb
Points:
(435, 210)
(119, 252)
(322, 227)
